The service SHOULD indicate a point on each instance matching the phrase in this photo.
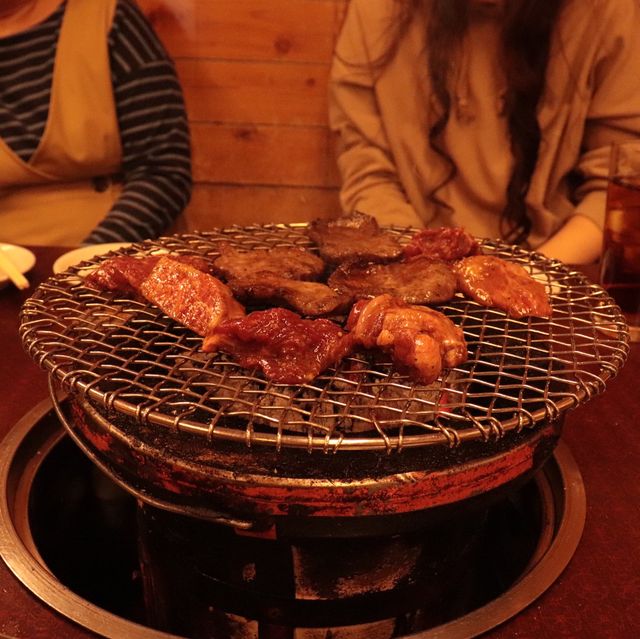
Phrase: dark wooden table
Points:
(596, 597)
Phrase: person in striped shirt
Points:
(94, 140)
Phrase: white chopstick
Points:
(12, 271)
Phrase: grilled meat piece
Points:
(492, 281)
(290, 262)
(356, 237)
(287, 348)
(421, 341)
(195, 299)
(417, 281)
(307, 298)
(448, 244)
(125, 273)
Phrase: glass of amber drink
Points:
(620, 264)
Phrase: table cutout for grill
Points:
(127, 356)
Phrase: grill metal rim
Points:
(586, 341)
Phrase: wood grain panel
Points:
(249, 154)
(254, 74)
(258, 92)
(300, 30)
(221, 205)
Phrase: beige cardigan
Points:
(382, 119)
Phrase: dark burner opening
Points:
(203, 580)
(84, 527)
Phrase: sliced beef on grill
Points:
(307, 298)
(417, 281)
(443, 243)
(287, 348)
(125, 273)
(290, 262)
(421, 341)
(492, 281)
(195, 299)
(356, 236)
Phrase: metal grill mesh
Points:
(129, 357)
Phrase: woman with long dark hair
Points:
(494, 115)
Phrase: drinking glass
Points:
(620, 264)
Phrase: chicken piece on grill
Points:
(290, 262)
(444, 243)
(492, 281)
(421, 341)
(125, 273)
(307, 298)
(417, 281)
(195, 299)
(287, 348)
(356, 237)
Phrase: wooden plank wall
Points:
(254, 74)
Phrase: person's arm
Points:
(370, 181)
(156, 168)
(613, 116)
(579, 241)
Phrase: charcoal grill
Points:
(197, 434)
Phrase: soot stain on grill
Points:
(156, 463)
(347, 465)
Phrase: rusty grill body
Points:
(198, 434)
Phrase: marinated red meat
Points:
(353, 237)
(417, 281)
(307, 298)
(492, 281)
(195, 299)
(421, 341)
(125, 273)
(293, 263)
(287, 348)
(443, 243)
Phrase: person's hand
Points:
(579, 241)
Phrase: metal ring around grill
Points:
(128, 357)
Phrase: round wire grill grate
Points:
(127, 356)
